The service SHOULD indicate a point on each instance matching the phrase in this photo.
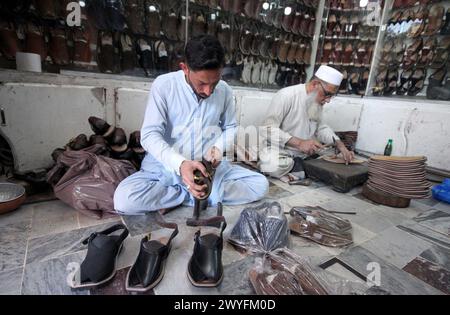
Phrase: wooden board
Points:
(342, 177)
(338, 160)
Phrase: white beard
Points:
(314, 109)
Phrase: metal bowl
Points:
(11, 196)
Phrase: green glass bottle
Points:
(388, 148)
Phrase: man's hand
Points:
(187, 169)
(347, 155)
(308, 146)
(214, 155)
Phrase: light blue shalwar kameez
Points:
(177, 127)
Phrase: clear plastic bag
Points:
(281, 272)
(320, 226)
(262, 228)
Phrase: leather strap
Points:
(107, 231)
(169, 225)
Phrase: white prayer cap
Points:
(329, 75)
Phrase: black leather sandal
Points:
(148, 269)
(205, 267)
(100, 263)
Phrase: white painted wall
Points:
(41, 117)
(50, 109)
(417, 128)
(130, 108)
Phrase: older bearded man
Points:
(293, 128)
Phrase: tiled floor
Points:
(40, 244)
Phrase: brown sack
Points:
(88, 180)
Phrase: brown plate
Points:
(398, 158)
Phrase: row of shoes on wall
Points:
(413, 62)
(428, 52)
(403, 4)
(120, 52)
(354, 81)
(113, 52)
(343, 5)
(256, 71)
(287, 75)
(391, 81)
(62, 45)
(420, 21)
(44, 9)
(298, 20)
(349, 53)
(268, 73)
(349, 26)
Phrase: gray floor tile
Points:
(175, 279)
(418, 206)
(10, 281)
(13, 244)
(410, 212)
(396, 246)
(375, 218)
(428, 201)
(276, 192)
(442, 206)
(235, 278)
(295, 189)
(22, 214)
(436, 220)
(354, 191)
(306, 248)
(53, 217)
(50, 277)
(129, 252)
(431, 273)
(392, 279)
(57, 245)
(361, 234)
(86, 221)
(437, 254)
(426, 234)
(312, 197)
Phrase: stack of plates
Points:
(399, 176)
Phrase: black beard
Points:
(199, 96)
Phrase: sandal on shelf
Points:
(417, 81)
(100, 263)
(347, 55)
(354, 82)
(148, 269)
(363, 82)
(405, 78)
(343, 88)
(391, 79)
(338, 53)
(380, 82)
(435, 80)
(440, 59)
